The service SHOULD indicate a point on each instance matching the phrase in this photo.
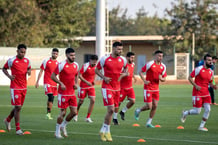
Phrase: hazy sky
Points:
(150, 6)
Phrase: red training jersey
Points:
(153, 71)
(112, 68)
(126, 82)
(49, 65)
(88, 73)
(19, 69)
(67, 73)
(203, 77)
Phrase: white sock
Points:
(138, 110)
(57, 132)
(202, 123)
(104, 128)
(149, 121)
(115, 115)
(64, 123)
(108, 129)
(124, 109)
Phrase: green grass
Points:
(173, 99)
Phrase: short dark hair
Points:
(69, 50)
(129, 54)
(207, 55)
(116, 43)
(158, 51)
(21, 46)
(55, 50)
(94, 57)
(214, 57)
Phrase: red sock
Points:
(88, 115)
(17, 126)
(8, 119)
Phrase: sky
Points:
(150, 6)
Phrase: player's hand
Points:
(11, 77)
(146, 82)
(123, 75)
(63, 87)
(197, 87)
(89, 84)
(75, 87)
(214, 87)
(107, 80)
(36, 85)
(29, 72)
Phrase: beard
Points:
(209, 65)
(70, 60)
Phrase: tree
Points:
(197, 17)
(20, 23)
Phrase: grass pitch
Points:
(173, 99)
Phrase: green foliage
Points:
(41, 23)
(197, 17)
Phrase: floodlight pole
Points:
(100, 28)
(193, 51)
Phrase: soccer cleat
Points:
(58, 136)
(202, 129)
(48, 116)
(183, 117)
(64, 131)
(19, 132)
(150, 126)
(122, 115)
(75, 118)
(102, 136)
(115, 121)
(89, 120)
(7, 124)
(108, 136)
(136, 114)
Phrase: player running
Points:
(68, 78)
(48, 66)
(20, 67)
(126, 88)
(87, 77)
(112, 66)
(155, 72)
(200, 95)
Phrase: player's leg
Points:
(7, 120)
(109, 102)
(49, 105)
(197, 104)
(152, 113)
(90, 109)
(116, 96)
(59, 122)
(131, 98)
(147, 106)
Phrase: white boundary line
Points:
(131, 137)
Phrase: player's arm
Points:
(193, 83)
(106, 79)
(123, 74)
(38, 78)
(134, 77)
(5, 71)
(162, 79)
(84, 80)
(29, 71)
(55, 79)
(76, 82)
(143, 78)
(213, 85)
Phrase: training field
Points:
(173, 99)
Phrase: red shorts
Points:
(82, 92)
(66, 101)
(149, 96)
(18, 97)
(199, 101)
(127, 92)
(50, 89)
(110, 97)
